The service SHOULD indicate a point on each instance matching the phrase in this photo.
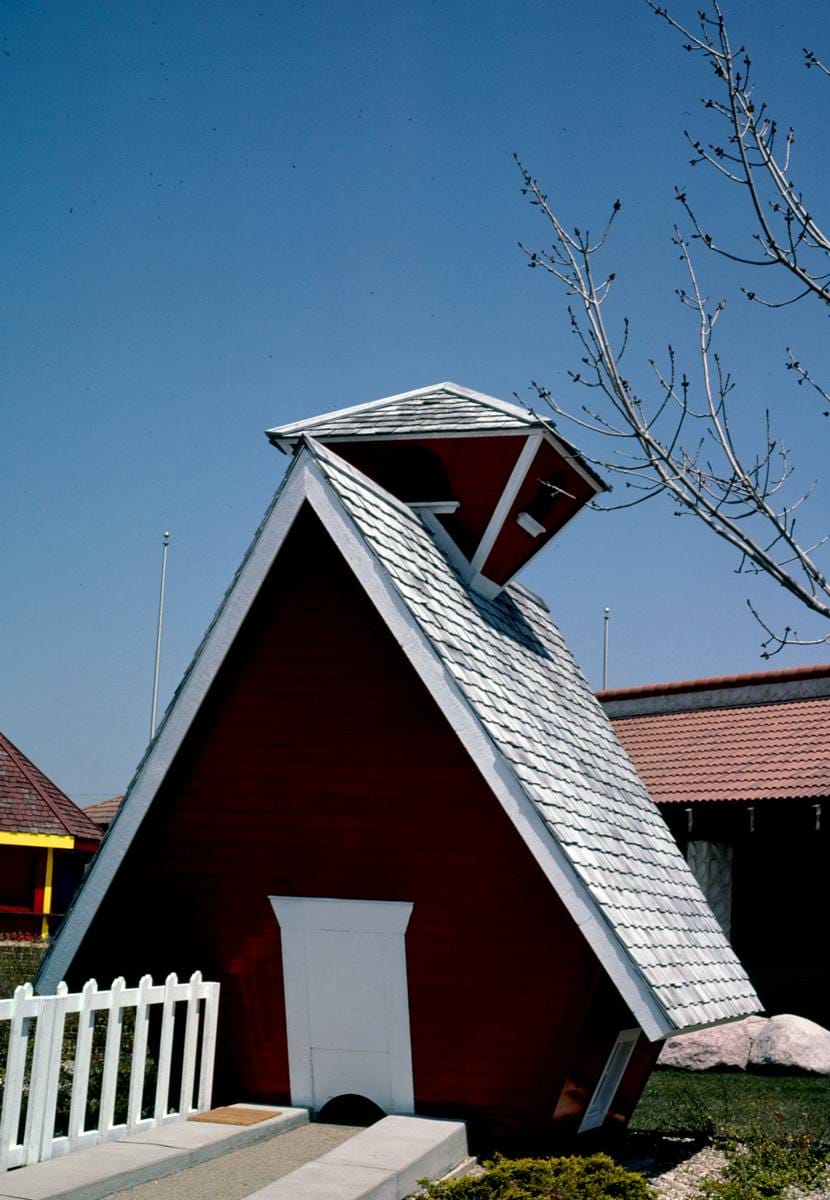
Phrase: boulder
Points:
(789, 1043)
(723, 1047)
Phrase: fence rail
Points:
(54, 1067)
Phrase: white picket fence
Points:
(32, 1075)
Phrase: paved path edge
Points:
(129, 1161)
(383, 1162)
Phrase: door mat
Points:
(236, 1116)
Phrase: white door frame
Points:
(300, 918)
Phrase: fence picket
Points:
(209, 1021)
(112, 1052)
(14, 1074)
(49, 1013)
(191, 1042)
(50, 1090)
(168, 1017)
(83, 1054)
(139, 1062)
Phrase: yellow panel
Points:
(54, 841)
(47, 892)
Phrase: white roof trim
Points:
(305, 481)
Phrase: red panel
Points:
(514, 546)
(477, 470)
(319, 766)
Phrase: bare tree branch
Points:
(810, 60)
(785, 231)
(680, 443)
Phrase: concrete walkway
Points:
(112, 1166)
(282, 1157)
(238, 1174)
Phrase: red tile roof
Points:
(102, 811)
(742, 737)
(31, 803)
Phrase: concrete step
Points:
(383, 1162)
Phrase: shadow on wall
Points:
(350, 1109)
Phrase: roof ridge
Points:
(23, 764)
(715, 682)
(451, 390)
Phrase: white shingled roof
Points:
(441, 408)
(508, 685)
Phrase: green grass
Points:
(728, 1104)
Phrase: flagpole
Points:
(165, 542)
(605, 649)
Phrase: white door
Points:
(347, 1009)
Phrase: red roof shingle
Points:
(31, 803)
(102, 811)
(764, 736)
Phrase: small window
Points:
(609, 1080)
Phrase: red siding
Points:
(320, 766)
(514, 546)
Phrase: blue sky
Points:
(218, 217)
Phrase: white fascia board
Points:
(499, 776)
(388, 435)
(174, 728)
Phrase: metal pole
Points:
(605, 649)
(166, 540)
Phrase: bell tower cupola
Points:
(494, 482)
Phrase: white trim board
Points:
(305, 480)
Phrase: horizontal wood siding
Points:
(319, 766)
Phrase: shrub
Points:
(572, 1178)
(760, 1167)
